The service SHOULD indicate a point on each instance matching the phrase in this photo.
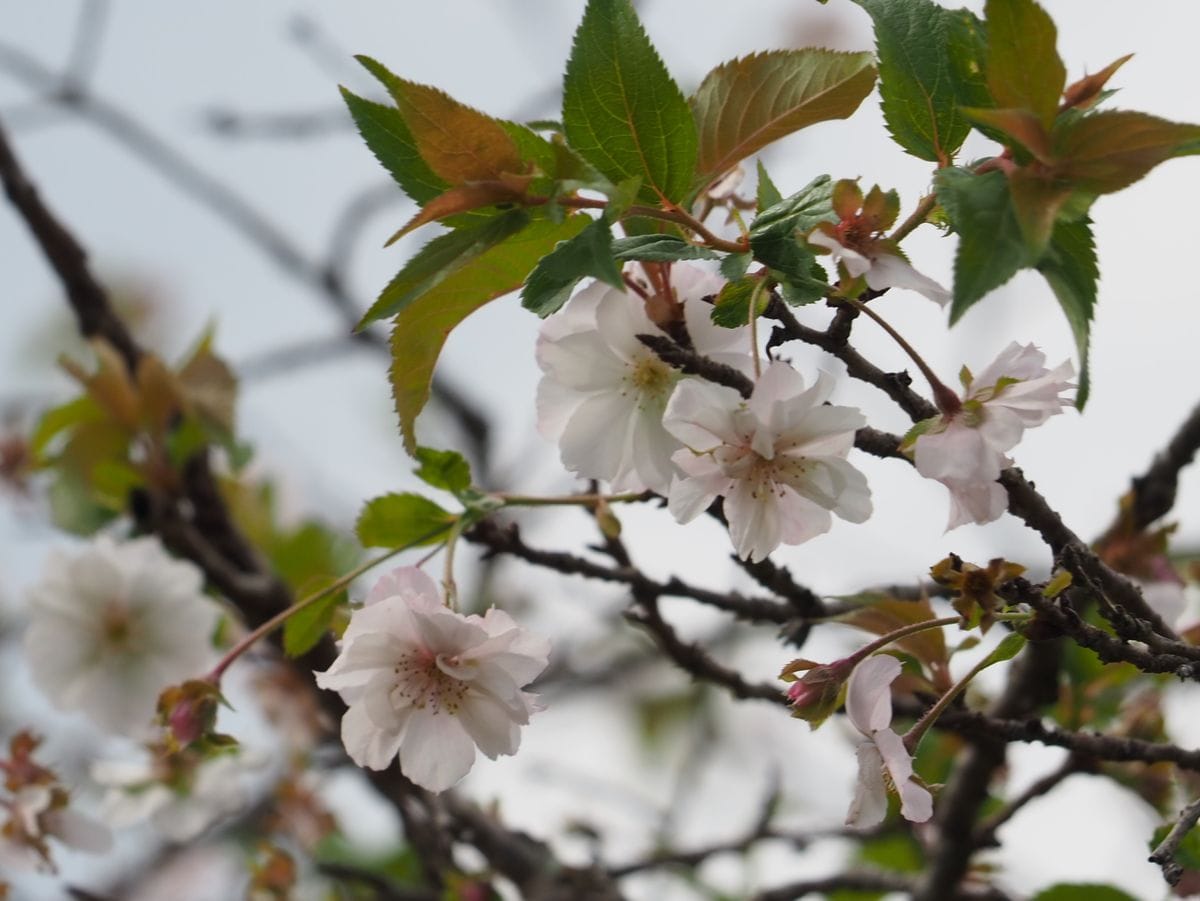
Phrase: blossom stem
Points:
(947, 401)
(914, 735)
(753, 317)
(448, 583)
(918, 216)
(283, 616)
(911, 629)
(581, 500)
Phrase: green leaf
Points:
(930, 65)
(445, 469)
(798, 213)
(1024, 70)
(304, 629)
(1111, 149)
(388, 137)
(396, 520)
(459, 143)
(1082, 891)
(732, 307)
(745, 104)
(1009, 647)
(58, 419)
(767, 194)
(991, 247)
(589, 253)
(735, 265)
(1071, 270)
(440, 259)
(621, 110)
(660, 249)
(426, 319)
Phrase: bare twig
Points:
(1164, 854)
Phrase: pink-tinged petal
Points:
(692, 284)
(582, 362)
(414, 585)
(386, 703)
(652, 447)
(360, 659)
(490, 724)
(958, 452)
(888, 271)
(445, 632)
(869, 693)
(754, 522)
(596, 441)
(365, 742)
(436, 751)
(578, 315)
(869, 806)
(700, 414)
(692, 495)
(856, 264)
(1001, 428)
(1014, 362)
(778, 384)
(975, 501)
(916, 804)
(801, 520)
(620, 318)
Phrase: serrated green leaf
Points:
(304, 629)
(991, 248)
(930, 65)
(1111, 149)
(587, 254)
(805, 288)
(745, 104)
(622, 112)
(735, 266)
(793, 265)
(767, 195)
(1071, 269)
(386, 134)
(459, 143)
(445, 469)
(732, 306)
(798, 213)
(1082, 891)
(422, 325)
(1024, 70)
(659, 249)
(396, 520)
(440, 259)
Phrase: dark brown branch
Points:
(692, 363)
(1164, 854)
(1154, 490)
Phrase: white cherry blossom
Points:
(603, 392)
(429, 684)
(777, 458)
(967, 451)
(881, 270)
(115, 624)
(869, 707)
(35, 813)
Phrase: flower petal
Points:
(869, 693)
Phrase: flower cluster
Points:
(114, 625)
(429, 684)
(967, 449)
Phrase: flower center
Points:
(765, 476)
(422, 684)
(117, 625)
(651, 379)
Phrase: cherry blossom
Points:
(778, 459)
(881, 270)
(883, 760)
(429, 684)
(967, 450)
(114, 625)
(36, 813)
(603, 392)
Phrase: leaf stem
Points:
(919, 215)
(581, 500)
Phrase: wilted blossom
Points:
(857, 242)
(429, 684)
(883, 762)
(967, 450)
(114, 625)
(778, 459)
(603, 392)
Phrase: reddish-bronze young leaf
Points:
(1110, 150)
(745, 104)
(1084, 91)
(1020, 125)
(464, 198)
(1036, 200)
(422, 326)
(459, 143)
